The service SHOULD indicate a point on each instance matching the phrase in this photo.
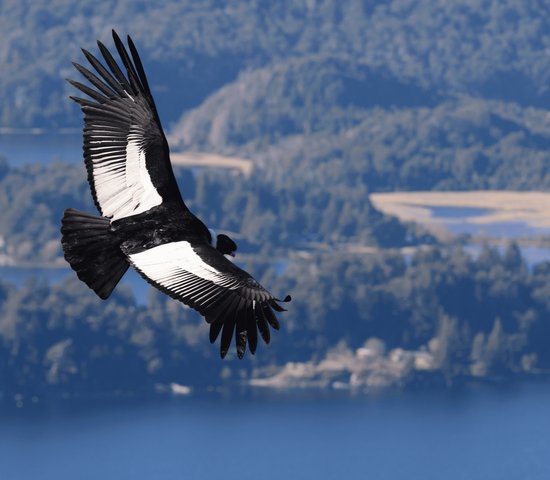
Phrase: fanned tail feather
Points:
(92, 251)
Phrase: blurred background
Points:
(385, 162)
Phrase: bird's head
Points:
(225, 245)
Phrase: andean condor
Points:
(144, 221)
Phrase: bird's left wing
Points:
(125, 150)
(202, 278)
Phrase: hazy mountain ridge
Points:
(461, 143)
(298, 97)
(300, 84)
(494, 49)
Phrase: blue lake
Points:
(484, 433)
(507, 230)
(19, 275)
(26, 147)
(457, 220)
(456, 212)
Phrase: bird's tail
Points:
(93, 251)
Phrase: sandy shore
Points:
(533, 208)
(198, 159)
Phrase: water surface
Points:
(19, 275)
(475, 434)
(44, 148)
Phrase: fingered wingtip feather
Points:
(270, 316)
(276, 306)
(117, 40)
(215, 328)
(240, 329)
(139, 67)
(261, 321)
(251, 330)
(133, 75)
(81, 101)
(287, 299)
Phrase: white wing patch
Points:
(122, 183)
(138, 180)
(177, 267)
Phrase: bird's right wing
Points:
(202, 278)
(125, 150)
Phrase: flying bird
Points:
(143, 220)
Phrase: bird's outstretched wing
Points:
(202, 278)
(125, 150)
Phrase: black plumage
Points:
(144, 221)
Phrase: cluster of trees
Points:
(321, 120)
(33, 199)
(491, 311)
(481, 317)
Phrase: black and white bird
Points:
(144, 221)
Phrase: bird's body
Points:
(144, 221)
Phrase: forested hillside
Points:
(265, 216)
(331, 101)
(413, 95)
(377, 317)
(484, 49)
(440, 320)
